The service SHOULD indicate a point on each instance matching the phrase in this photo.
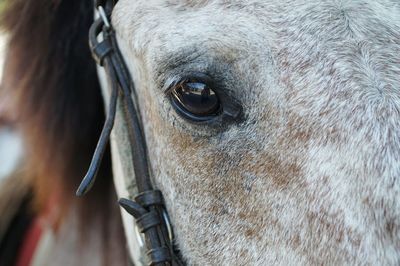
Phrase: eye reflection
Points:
(195, 99)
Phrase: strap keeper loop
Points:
(101, 50)
(159, 255)
(147, 221)
(150, 198)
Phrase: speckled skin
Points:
(310, 175)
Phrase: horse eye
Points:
(195, 100)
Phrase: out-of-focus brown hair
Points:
(53, 84)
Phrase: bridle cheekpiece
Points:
(148, 207)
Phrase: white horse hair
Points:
(311, 174)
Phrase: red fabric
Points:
(30, 243)
(45, 220)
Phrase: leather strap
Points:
(148, 208)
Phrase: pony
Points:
(308, 173)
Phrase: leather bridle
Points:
(148, 207)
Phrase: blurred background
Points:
(11, 147)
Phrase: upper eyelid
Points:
(171, 82)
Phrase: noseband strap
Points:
(148, 207)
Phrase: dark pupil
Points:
(197, 98)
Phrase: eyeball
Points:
(195, 100)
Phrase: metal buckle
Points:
(104, 17)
